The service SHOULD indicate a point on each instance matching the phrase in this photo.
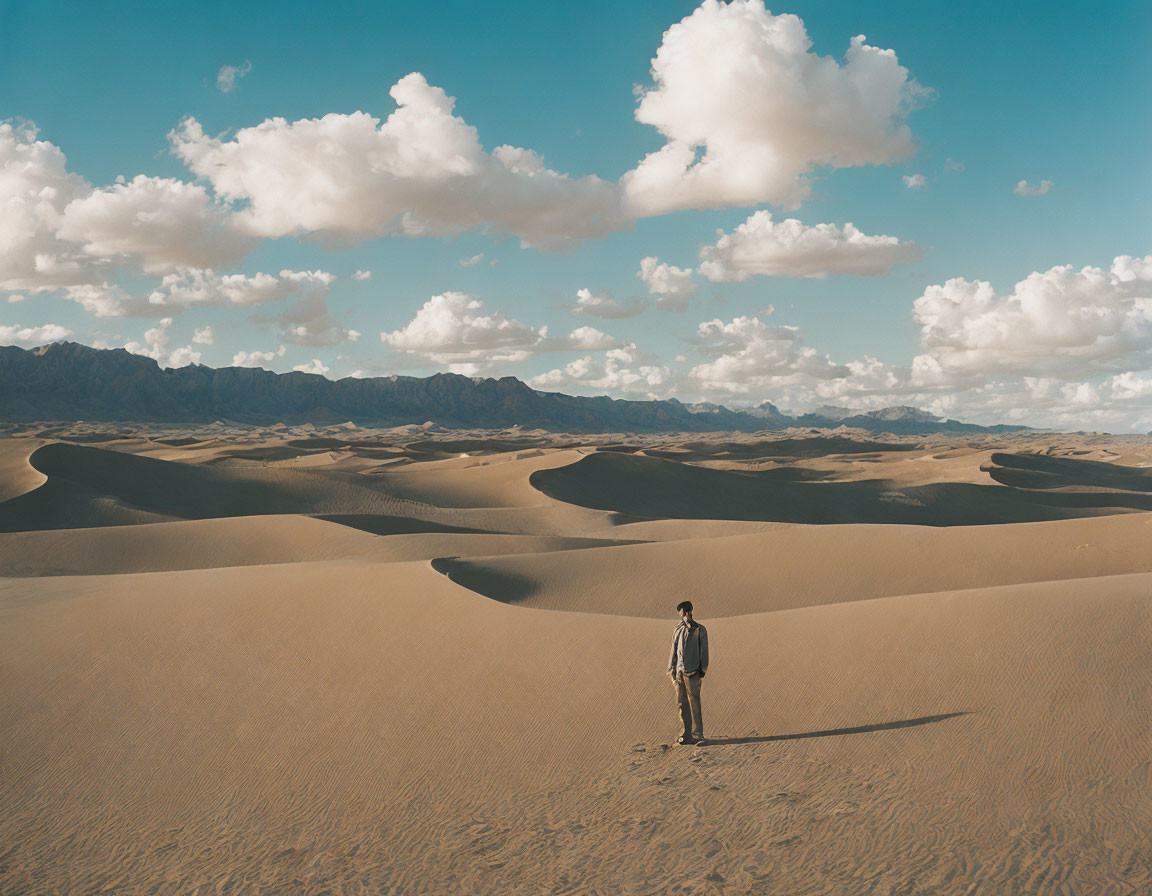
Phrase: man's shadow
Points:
(859, 729)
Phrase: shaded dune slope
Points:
(88, 486)
(246, 541)
(808, 565)
(1039, 471)
(654, 488)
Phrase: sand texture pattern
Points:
(322, 661)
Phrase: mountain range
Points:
(69, 381)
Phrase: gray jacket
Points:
(689, 648)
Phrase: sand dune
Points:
(650, 487)
(90, 486)
(809, 565)
(244, 660)
(17, 475)
(321, 726)
(246, 541)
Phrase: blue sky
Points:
(990, 97)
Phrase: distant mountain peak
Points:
(904, 412)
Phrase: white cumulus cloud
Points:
(197, 287)
(748, 111)
(256, 359)
(766, 248)
(589, 339)
(915, 181)
(620, 371)
(455, 329)
(58, 231)
(362, 275)
(35, 190)
(672, 286)
(1061, 322)
(421, 172)
(314, 366)
(159, 224)
(203, 336)
(748, 356)
(33, 335)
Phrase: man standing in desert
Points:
(686, 665)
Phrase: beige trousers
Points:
(688, 699)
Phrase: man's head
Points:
(684, 608)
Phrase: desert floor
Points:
(336, 660)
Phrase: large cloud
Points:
(767, 248)
(33, 335)
(456, 330)
(421, 172)
(1062, 323)
(159, 224)
(748, 111)
(195, 287)
(35, 190)
(748, 356)
(57, 231)
(621, 371)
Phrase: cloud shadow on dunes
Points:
(1039, 471)
(817, 446)
(653, 488)
(836, 732)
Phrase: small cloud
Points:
(1026, 189)
(255, 359)
(475, 259)
(951, 165)
(228, 75)
(601, 304)
(362, 275)
(589, 339)
(314, 366)
(13, 299)
(182, 357)
(203, 336)
(915, 181)
(672, 286)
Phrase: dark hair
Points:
(684, 605)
